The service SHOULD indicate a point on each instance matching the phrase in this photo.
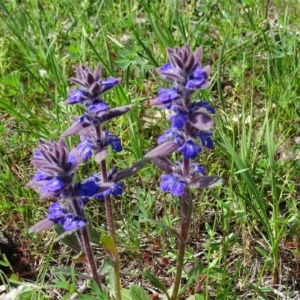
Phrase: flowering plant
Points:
(56, 167)
(190, 132)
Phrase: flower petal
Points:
(201, 120)
(189, 149)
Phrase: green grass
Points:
(240, 232)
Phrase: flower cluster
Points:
(191, 121)
(54, 178)
(56, 166)
(97, 112)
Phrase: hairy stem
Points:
(184, 226)
(111, 225)
(184, 232)
(111, 228)
(108, 205)
(85, 242)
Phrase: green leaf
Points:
(14, 276)
(155, 282)
(109, 245)
(162, 225)
(95, 287)
(138, 293)
(94, 235)
(125, 293)
(169, 292)
(196, 297)
(261, 252)
(69, 238)
(4, 264)
(67, 271)
(107, 270)
(193, 297)
(107, 266)
(194, 274)
(101, 295)
(110, 282)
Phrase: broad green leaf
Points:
(15, 277)
(109, 245)
(69, 238)
(138, 293)
(94, 235)
(101, 295)
(107, 266)
(125, 293)
(110, 282)
(169, 292)
(95, 287)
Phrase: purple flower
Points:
(198, 79)
(194, 106)
(172, 183)
(90, 143)
(76, 96)
(195, 168)
(87, 188)
(54, 159)
(170, 73)
(166, 97)
(178, 120)
(108, 83)
(166, 70)
(56, 168)
(85, 148)
(56, 211)
(40, 175)
(59, 214)
(205, 138)
(116, 190)
(91, 87)
(190, 149)
(113, 140)
(70, 222)
(167, 135)
(112, 173)
(52, 187)
(173, 134)
(184, 69)
(98, 106)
